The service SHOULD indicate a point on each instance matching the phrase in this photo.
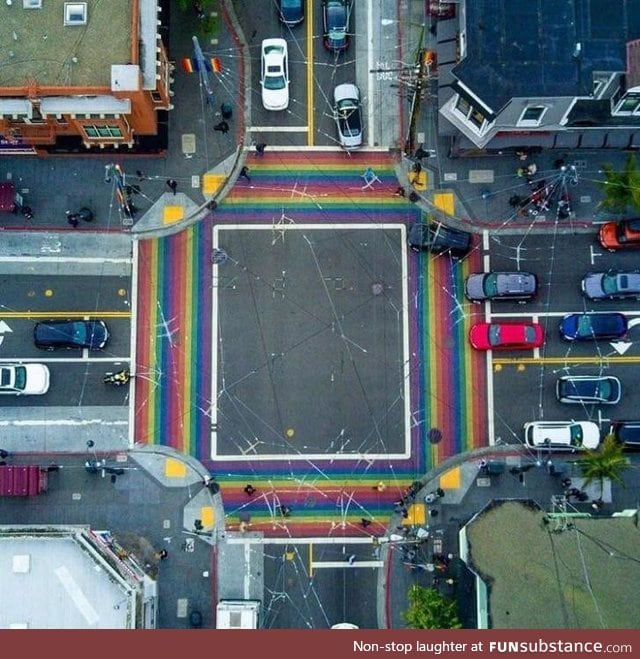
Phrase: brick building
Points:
(82, 76)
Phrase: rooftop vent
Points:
(32, 4)
(75, 13)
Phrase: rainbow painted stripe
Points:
(174, 350)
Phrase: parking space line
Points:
(310, 90)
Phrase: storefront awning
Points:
(87, 105)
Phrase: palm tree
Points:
(429, 609)
(608, 462)
(621, 188)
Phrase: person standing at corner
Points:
(173, 185)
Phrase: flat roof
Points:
(525, 49)
(585, 570)
(37, 45)
(57, 583)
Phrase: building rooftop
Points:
(55, 580)
(36, 44)
(525, 49)
(585, 570)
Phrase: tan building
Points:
(86, 74)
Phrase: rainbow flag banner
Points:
(177, 347)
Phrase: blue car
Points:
(335, 22)
(590, 326)
(291, 12)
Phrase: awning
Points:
(566, 140)
(618, 139)
(87, 105)
(592, 139)
(14, 107)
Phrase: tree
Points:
(429, 609)
(607, 462)
(621, 188)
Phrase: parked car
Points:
(335, 24)
(520, 286)
(24, 379)
(562, 435)
(347, 112)
(291, 12)
(627, 433)
(612, 285)
(506, 336)
(439, 239)
(590, 326)
(52, 334)
(274, 79)
(605, 389)
(620, 235)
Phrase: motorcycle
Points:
(118, 379)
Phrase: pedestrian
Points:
(173, 185)
(249, 489)
(140, 175)
(72, 219)
(27, 212)
(566, 483)
(260, 147)
(597, 504)
(381, 486)
(285, 511)
(222, 127)
(364, 522)
(197, 7)
(352, 559)
(399, 192)
(430, 498)
(4, 454)
(244, 173)
(161, 555)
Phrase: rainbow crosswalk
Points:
(173, 396)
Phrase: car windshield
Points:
(491, 285)
(609, 284)
(576, 435)
(585, 326)
(5, 377)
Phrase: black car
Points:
(627, 433)
(335, 21)
(519, 286)
(52, 334)
(291, 12)
(439, 239)
(592, 326)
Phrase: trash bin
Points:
(494, 467)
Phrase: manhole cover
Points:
(377, 289)
(434, 435)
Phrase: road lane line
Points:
(310, 90)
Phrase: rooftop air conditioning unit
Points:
(32, 4)
(75, 13)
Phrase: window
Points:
(471, 114)
(532, 115)
(630, 104)
(102, 131)
(75, 13)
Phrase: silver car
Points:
(605, 389)
(519, 286)
(612, 285)
(347, 112)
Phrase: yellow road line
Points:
(65, 314)
(620, 359)
(309, 21)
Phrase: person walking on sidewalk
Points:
(222, 127)
(244, 173)
(260, 147)
(72, 219)
(173, 185)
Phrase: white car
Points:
(19, 379)
(347, 112)
(274, 78)
(562, 435)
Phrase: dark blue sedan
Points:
(589, 326)
(291, 12)
(335, 19)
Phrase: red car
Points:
(506, 336)
(620, 235)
